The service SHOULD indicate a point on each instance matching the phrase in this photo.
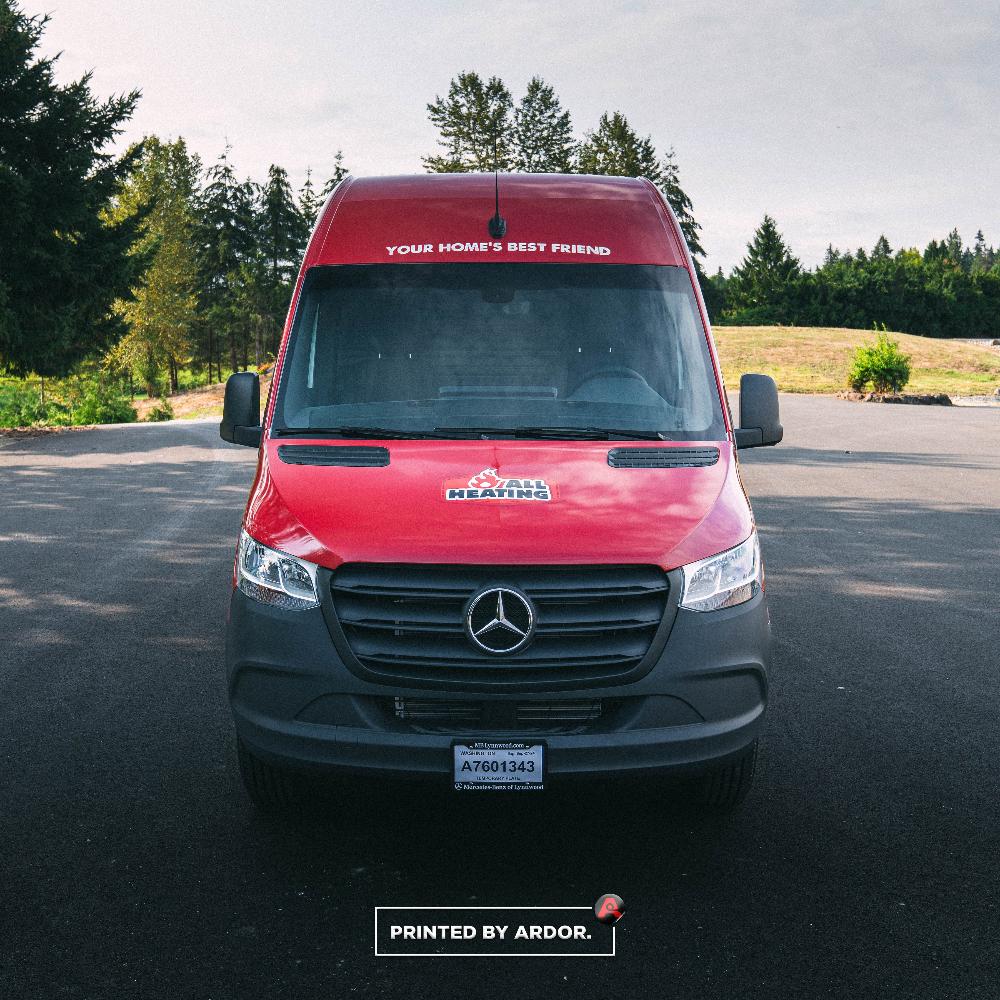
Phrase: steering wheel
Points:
(619, 371)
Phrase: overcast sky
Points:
(841, 120)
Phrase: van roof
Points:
(562, 218)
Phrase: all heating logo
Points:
(489, 485)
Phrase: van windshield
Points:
(522, 350)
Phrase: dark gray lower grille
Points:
(465, 716)
(406, 621)
(559, 711)
(438, 712)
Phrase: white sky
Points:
(841, 120)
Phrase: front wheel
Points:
(726, 787)
(271, 789)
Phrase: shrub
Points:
(19, 405)
(74, 400)
(103, 404)
(881, 364)
(164, 411)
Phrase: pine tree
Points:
(957, 253)
(982, 256)
(226, 214)
(543, 132)
(681, 204)
(263, 283)
(935, 251)
(309, 201)
(614, 148)
(474, 122)
(882, 250)
(763, 277)
(339, 173)
(227, 239)
(978, 253)
(954, 245)
(713, 291)
(282, 228)
(161, 313)
(61, 263)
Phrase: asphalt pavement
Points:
(864, 864)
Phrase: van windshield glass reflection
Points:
(543, 350)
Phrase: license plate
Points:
(499, 767)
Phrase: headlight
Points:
(275, 578)
(725, 580)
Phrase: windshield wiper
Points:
(554, 433)
(353, 431)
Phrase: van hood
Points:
(503, 502)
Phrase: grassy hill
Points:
(816, 359)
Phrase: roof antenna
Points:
(498, 224)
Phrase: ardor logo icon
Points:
(500, 620)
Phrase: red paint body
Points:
(397, 513)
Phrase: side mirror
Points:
(241, 410)
(759, 424)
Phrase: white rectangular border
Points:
(492, 954)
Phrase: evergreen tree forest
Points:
(948, 289)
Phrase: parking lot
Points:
(864, 864)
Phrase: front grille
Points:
(441, 715)
(406, 621)
(559, 711)
(437, 712)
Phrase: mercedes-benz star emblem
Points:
(500, 620)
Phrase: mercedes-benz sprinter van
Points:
(497, 538)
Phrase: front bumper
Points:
(296, 704)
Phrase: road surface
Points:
(865, 863)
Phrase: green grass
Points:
(817, 359)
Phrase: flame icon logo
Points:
(486, 480)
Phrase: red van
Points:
(497, 536)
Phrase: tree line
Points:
(151, 263)
(148, 261)
(220, 256)
(947, 290)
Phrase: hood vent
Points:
(662, 458)
(351, 456)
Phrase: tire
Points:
(727, 786)
(271, 789)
